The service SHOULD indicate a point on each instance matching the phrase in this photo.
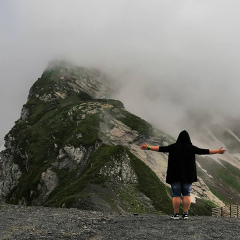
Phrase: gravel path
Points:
(54, 223)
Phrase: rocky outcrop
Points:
(9, 174)
(119, 170)
(71, 157)
(24, 114)
(9, 170)
(115, 132)
(48, 182)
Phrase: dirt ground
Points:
(55, 223)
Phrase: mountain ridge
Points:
(74, 146)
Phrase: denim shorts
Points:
(179, 189)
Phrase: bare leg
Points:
(186, 203)
(176, 204)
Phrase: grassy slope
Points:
(225, 182)
(149, 184)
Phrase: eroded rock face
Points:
(94, 87)
(9, 171)
(71, 157)
(48, 182)
(120, 170)
(24, 114)
(46, 97)
(9, 142)
(9, 174)
(88, 109)
(117, 133)
(76, 154)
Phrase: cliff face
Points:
(73, 147)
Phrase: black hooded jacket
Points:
(181, 160)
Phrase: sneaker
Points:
(185, 216)
(175, 216)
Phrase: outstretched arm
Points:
(220, 151)
(147, 147)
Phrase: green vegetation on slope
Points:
(225, 178)
(151, 186)
(70, 189)
(38, 146)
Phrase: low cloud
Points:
(175, 60)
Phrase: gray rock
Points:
(58, 223)
(46, 97)
(119, 169)
(48, 182)
(24, 114)
(9, 174)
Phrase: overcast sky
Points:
(172, 57)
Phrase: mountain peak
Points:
(62, 79)
(74, 146)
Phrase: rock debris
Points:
(18, 222)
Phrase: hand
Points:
(144, 146)
(221, 151)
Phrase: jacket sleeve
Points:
(165, 148)
(200, 151)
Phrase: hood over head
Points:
(184, 137)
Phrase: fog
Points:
(174, 60)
